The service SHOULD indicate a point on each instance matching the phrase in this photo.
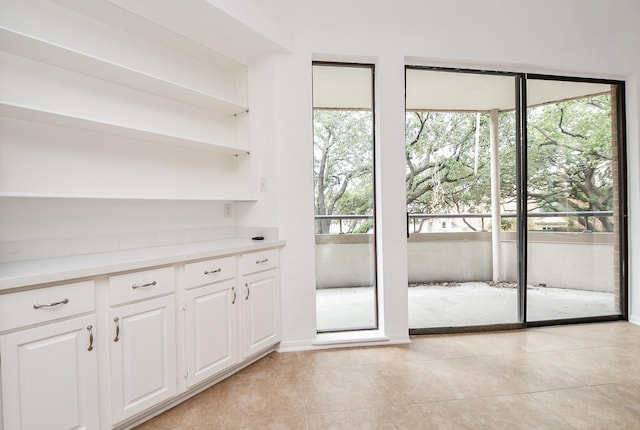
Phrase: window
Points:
(343, 142)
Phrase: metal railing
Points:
(412, 219)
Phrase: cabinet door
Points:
(143, 355)
(260, 312)
(211, 330)
(50, 377)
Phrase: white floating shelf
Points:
(40, 50)
(34, 195)
(60, 119)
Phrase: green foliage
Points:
(364, 228)
(508, 224)
(569, 156)
(343, 163)
(441, 162)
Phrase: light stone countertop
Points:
(20, 274)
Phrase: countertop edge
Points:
(22, 274)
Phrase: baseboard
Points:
(343, 340)
(634, 319)
(298, 345)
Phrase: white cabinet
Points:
(214, 341)
(142, 341)
(49, 377)
(211, 330)
(99, 354)
(260, 301)
(211, 318)
(143, 356)
(49, 372)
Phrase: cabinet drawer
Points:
(45, 304)
(209, 271)
(258, 261)
(141, 285)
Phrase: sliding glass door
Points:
(461, 198)
(515, 199)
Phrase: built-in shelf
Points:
(55, 118)
(142, 87)
(27, 46)
(28, 195)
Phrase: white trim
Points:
(507, 67)
(350, 337)
(293, 346)
(344, 339)
(634, 319)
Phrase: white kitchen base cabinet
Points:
(109, 350)
(143, 356)
(211, 320)
(50, 377)
(260, 312)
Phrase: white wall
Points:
(573, 37)
(582, 38)
(42, 228)
(633, 165)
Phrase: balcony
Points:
(570, 274)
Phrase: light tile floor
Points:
(564, 377)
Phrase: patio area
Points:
(461, 304)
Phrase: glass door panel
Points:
(573, 200)
(344, 197)
(461, 198)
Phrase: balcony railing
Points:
(415, 222)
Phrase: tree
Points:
(448, 171)
(343, 163)
(570, 157)
(440, 160)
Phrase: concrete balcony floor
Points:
(465, 304)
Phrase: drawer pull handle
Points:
(211, 272)
(90, 330)
(150, 284)
(233, 290)
(262, 261)
(51, 305)
(248, 291)
(117, 321)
